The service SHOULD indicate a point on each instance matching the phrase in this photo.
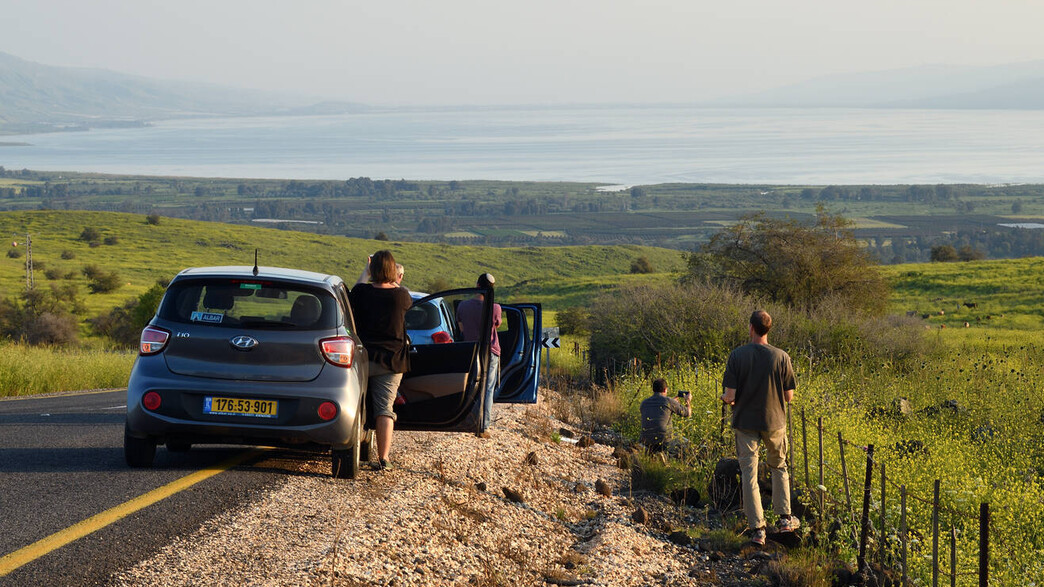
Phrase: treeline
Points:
(983, 243)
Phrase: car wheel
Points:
(138, 452)
(345, 463)
(179, 446)
(364, 446)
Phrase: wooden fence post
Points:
(953, 556)
(935, 536)
(804, 443)
(865, 522)
(984, 544)
(822, 493)
(903, 531)
(844, 472)
(884, 527)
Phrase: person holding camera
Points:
(656, 413)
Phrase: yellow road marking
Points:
(94, 523)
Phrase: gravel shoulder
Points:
(442, 517)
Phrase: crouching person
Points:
(656, 411)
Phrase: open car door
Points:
(520, 344)
(443, 388)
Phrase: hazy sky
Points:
(525, 51)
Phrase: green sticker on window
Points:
(249, 286)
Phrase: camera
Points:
(684, 393)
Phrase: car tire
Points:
(138, 452)
(179, 446)
(365, 446)
(345, 462)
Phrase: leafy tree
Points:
(943, 254)
(968, 253)
(152, 218)
(574, 320)
(438, 284)
(380, 236)
(791, 262)
(123, 324)
(42, 316)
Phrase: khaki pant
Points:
(747, 453)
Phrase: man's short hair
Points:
(659, 386)
(761, 321)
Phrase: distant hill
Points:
(1017, 85)
(37, 98)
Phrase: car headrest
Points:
(306, 310)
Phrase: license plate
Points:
(238, 406)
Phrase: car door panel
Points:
(442, 390)
(520, 354)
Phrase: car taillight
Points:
(327, 411)
(441, 337)
(338, 351)
(151, 401)
(153, 340)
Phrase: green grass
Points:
(31, 370)
(146, 253)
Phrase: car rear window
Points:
(239, 303)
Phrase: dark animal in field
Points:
(971, 305)
(925, 316)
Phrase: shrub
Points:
(15, 253)
(67, 254)
(104, 282)
(703, 322)
(642, 265)
(123, 324)
(152, 218)
(90, 235)
(51, 329)
(111, 240)
(438, 284)
(575, 320)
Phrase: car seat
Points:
(305, 311)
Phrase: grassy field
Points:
(975, 422)
(145, 253)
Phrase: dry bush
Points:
(606, 407)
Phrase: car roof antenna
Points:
(255, 262)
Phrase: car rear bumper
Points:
(181, 418)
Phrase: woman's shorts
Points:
(383, 387)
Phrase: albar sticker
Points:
(208, 317)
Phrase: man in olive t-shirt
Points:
(759, 383)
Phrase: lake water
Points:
(617, 145)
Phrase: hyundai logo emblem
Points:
(243, 342)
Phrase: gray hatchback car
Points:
(270, 356)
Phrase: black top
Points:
(380, 316)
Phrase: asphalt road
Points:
(61, 462)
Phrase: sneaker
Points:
(758, 536)
(382, 465)
(788, 524)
